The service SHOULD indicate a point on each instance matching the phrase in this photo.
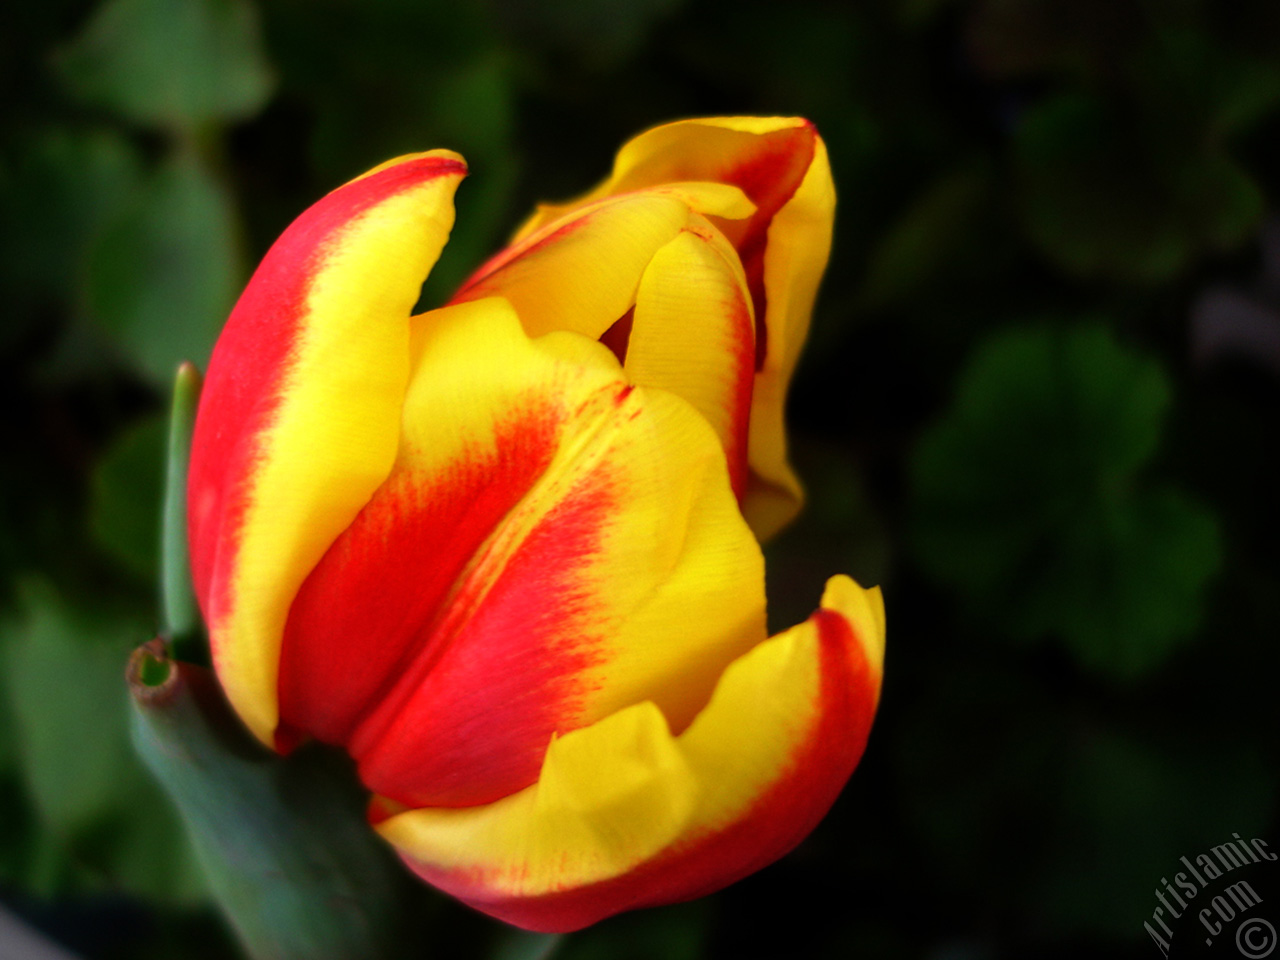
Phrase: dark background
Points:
(1039, 406)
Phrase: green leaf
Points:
(124, 502)
(181, 617)
(95, 807)
(166, 272)
(1128, 584)
(28, 858)
(1129, 176)
(63, 682)
(171, 63)
(56, 194)
(284, 842)
(1027, 502)
(1106, 195)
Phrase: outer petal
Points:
(799, 243)
(580, 273)
(625, 815)
(781, 164)
(529, 567)
(299, 418)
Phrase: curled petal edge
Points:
(796, 245)
(625, 815)
(580, 273)
(799, 244)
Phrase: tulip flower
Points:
(499, 552)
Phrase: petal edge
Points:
(531, 862)
(299, 418)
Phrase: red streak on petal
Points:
(441, 660)
(475, 727)
(770, 176)
(368, 611)
(242, 390)
(745, 354)
(700, 864)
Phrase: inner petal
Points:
(553, 545)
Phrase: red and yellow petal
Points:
(799, 244)
(626, 815)
(780, 164)
(553, 545)
(299, 419)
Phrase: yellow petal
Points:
(321, 427)
(580, 273)
(553, 545)
(693, 334)
(709, 198)
(782, 165)
(626, 815)
(795, 257)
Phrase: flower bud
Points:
(499, 552)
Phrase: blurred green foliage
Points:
(98, 819)
(174, 65)
(1026, 501)
(1001, 416)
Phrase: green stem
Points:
(283, 841)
